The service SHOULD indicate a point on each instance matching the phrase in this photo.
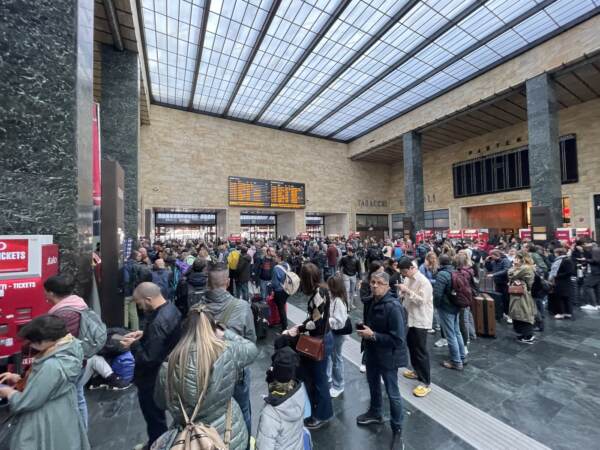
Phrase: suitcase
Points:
(484, 314)
(273, 318)
(486, 283)
(260, 311)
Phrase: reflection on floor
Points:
(549, 391)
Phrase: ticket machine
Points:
(26, 261)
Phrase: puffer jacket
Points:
(499, 269)
(522, 307)
(442, 289)
(238, 353)
(280, 426)
(240, 318)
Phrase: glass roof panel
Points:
(172, 33)
(294, 27)
(232, 30)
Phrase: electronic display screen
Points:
(253, 192)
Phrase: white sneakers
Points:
(508, 319)
(441, 343)
(335, 393)
(590, 308)
(559, 316)
(362, 368)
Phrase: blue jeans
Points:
(241, 394)
(390, 379)
(81, 403)
(242, 290)
(350, 285)
(335, 363)
(264, 289)
(319, 393)
(451, 326)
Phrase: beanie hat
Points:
(285, 362)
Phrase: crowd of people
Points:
(191, 338)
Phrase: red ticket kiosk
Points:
(26, 261)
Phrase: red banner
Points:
(14, 255)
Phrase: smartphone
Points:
(360, 326)
(117, 337)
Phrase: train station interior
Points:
(301, 123)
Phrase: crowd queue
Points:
(191, 328)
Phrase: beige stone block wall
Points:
(186, 158)
(582, 120)
(566, 47)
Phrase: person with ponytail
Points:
(203, 368)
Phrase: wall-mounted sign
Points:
(14, 255)
(373, 203)
(266, 193)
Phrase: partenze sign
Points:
(14, 255)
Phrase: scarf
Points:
(555, 267)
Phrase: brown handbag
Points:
(516, 289)
(311, 347)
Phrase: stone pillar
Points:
(46, 127)
(544, 151)
(336, 224)
(291, 223)
(234, 225)
(413, 179)
(120, 123)
(222, 223)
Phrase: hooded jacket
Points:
(47, 414)
(240, 319)
(522, 307)
(280, 426)
(238, 354)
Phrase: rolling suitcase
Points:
(484, 314)
(274, 318)
(260, 311)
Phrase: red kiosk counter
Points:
(26, 261)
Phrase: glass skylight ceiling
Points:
(334, 68)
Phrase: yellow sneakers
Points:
(410, 374)
(421, 391)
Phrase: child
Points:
(338, 314)
(281, 422)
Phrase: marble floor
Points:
(549, 391)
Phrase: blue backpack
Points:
(123, 366)
(398, 253)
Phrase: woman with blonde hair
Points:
(522, 309)
(200, 377)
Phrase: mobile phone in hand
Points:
(117, 337)
(360, 326)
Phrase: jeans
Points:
(350, 285)
(335, 363)
(539, 316)
(241, 394)
(96, 364)
(318, 393)
(242, 290)
(132, 320)
(281, 300)
(81, 403)
(264, 289)
(451, 326)
(591, 290)
(390, 380)
(331, 271)
(156, 420)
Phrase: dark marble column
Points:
(414, 205)
(120, 123)
(544, 151)
(46, 55)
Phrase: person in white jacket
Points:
(281, 426)
(417, 298)
(338, 314)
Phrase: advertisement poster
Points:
(14, 255)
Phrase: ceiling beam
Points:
(393, 21)
(205, 13)
(332, 19)
(250, 60)
(507, 26)
(113, 24)
(142, 46)
(408, 56)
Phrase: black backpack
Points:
(461, 289)
(261, 324)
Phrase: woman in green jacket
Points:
(204, 365)
(522, 309)
(44, 404)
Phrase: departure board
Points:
(265, 193)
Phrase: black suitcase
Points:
(261, 323)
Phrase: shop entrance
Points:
(372, 225)
(315, 226)
(185, 225)
(258, 226)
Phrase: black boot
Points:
(397, 443)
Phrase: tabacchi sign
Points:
(14, 255)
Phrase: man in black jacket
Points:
(497, 265)
(244, 271)
(350, 268)
(384, 333)
(150, 348)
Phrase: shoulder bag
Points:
(313, 347)
(346, 329)
(516, 288)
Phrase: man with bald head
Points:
(150, 348)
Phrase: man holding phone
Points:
(384, 333)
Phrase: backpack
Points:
(123, 366)
(261, 324)
(291, 283)
(397, 253)
(233, 260)
(461, 294)
(92, 331)
(199, 436)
